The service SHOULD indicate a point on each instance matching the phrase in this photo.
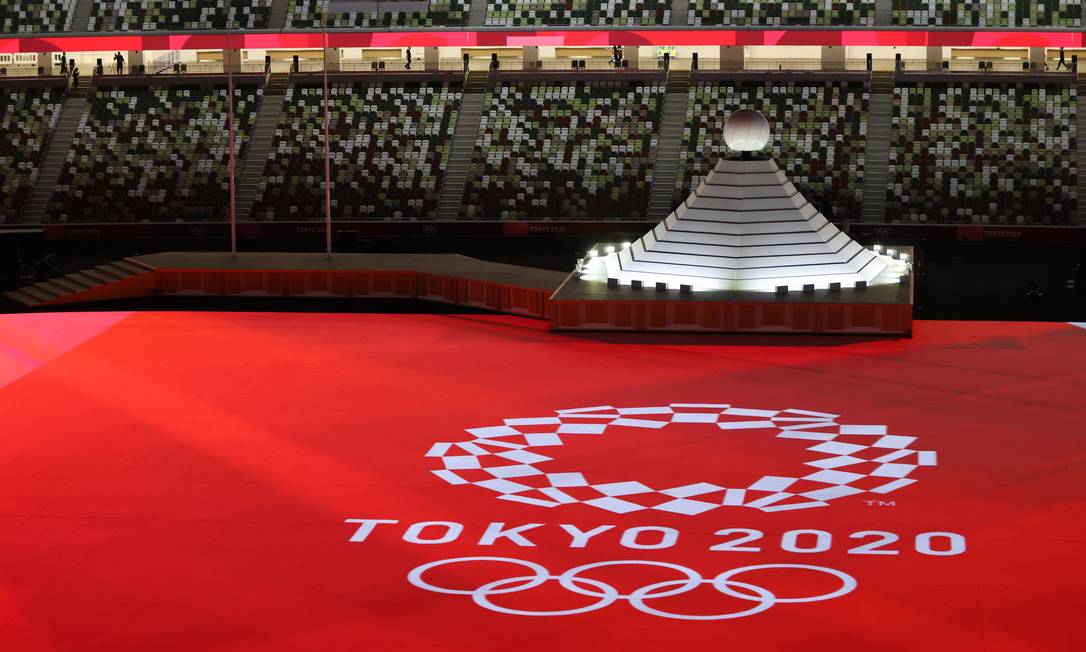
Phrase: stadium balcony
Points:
(987, 13)
(566, 148)
(819, 132)
(177, 15)
(27, 117)
(35, 16)
(404, 13)
(389, 148)
(158, 152)
(984, 152)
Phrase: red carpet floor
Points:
(189, 481)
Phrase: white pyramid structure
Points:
(745, 227)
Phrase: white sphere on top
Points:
(746, 131)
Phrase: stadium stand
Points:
(819, 131)
(578, 12)
(26, 118)
(983, 152)
(389, 148)
(767, 12)
(988, 13)
(32, 17)
(565, 149)
(146, 154)
(308, 13)
(150, 15)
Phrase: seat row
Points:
(27, 117)
(153, 155)
(965, 153)
(146, 15)
(390, 146)
(980, 153)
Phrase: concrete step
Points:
(39, 295)
(98, 276)
(69, 286)
(53, 289)
(53, 160)
(81, 279)
(22, 298)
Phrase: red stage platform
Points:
(568, 304)
(225, 481)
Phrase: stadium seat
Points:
(580, 12)
(988, 13)
(26, 118)
(31, 16)
(983, 153)
(818, 136)
(767, 12)
(565, 150)
(389, 148)
(307, 14)
(153, 155)
(150, 15)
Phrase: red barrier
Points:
(579, 37)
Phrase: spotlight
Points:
(625, 245)
(610, 249)
(593, 253)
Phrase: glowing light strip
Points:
(514, 38)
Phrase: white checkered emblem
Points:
(854, 459)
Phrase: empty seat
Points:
(389, 148)
(26, 119)
(983, 153)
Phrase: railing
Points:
(165, 62)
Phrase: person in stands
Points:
(408, 66)
(119, 59)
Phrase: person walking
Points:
(1062, 62)
(408, 66)
(119, 59)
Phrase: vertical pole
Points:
(229, 59)
(327, 161)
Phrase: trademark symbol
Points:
(881, 503)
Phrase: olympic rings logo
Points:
(573, 581)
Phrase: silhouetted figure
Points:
(119, 59)
(408, 65)
(1034, 292)
(75, 77)
(64, 64)
(1062, 63)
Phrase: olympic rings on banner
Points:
(572, 581)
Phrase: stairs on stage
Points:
(463, 146)
(1080, 158)
(477, 15)
(278, 18)
(119, 280)
(877, 149)
(252, 169)
(55, 154)
(666, 167)
(81, 10)
(680, 10)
